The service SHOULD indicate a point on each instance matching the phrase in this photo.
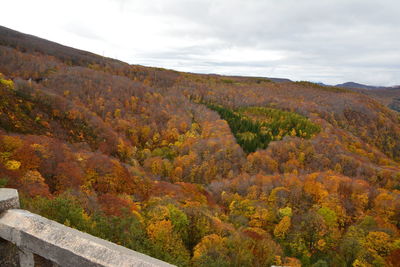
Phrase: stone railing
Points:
(27, 239)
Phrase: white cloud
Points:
(332, 41)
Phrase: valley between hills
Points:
(201, 170)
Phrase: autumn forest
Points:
(199, 170)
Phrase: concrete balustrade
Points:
(8, 199)
(27, 239)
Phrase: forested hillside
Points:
(199, 170)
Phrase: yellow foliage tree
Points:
(282, 228)
(210, 244)
(379, 243)
(12, 165)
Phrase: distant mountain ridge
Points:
(363, 86)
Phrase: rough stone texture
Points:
(26, 259)
(66, 246)
(8, 199)
(8, 254)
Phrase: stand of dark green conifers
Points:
(256, 127)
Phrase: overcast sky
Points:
(331, 41)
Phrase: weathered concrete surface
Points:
(66, 246)
(8, 199)
(26, 259)
(8, 254)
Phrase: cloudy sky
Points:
(330, 41)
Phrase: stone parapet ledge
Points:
(63, 246)
(9, 253)
(9, 199)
